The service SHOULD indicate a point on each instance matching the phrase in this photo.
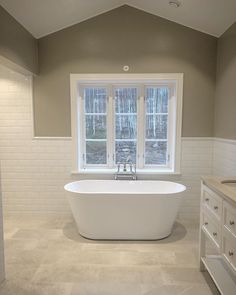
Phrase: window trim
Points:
(124, 79)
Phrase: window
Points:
(156, 127)
(95, 126)
(126, 118)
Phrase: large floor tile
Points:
(46, 256)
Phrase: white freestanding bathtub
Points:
(124, 210)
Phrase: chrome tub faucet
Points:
(126, 174)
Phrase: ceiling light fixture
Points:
(175, 3)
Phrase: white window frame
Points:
(174, 132)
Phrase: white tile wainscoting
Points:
(2, 264)
(224, 157)
(34, 170)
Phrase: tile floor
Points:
(46, 256)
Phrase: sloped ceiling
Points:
(46, 16)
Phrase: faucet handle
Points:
(131, 167)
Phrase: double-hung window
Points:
(126, 119)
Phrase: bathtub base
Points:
(114, 238)
(125, 218)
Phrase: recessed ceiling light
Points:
(175, 3)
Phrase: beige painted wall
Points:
(225, 98)
(125, 36)
(16, 44)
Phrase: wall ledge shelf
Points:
(221, 274)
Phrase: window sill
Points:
(139, 172)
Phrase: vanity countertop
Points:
(215, 183)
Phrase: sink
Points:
(229, 183)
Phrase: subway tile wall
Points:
(196, 162)
(34, 171)
(2, 261)
(224, 157)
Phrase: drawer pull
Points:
(231, 222)
(231, 253)
(207, 199)
(214, 234)
(206, 223)
(216, 207)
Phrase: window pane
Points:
(96, 152)
(156, 126)
(95, 100)
(125, 151)
(126, 100)
(95, 126)
(156, 153)
(126, 126)
(157, 100)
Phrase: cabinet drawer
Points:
(211, 228)
(229, 249)
(212, 202)
(229, 218)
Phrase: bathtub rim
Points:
(183, 188)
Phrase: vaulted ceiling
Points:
(46, 16)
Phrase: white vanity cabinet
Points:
(218, 225)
